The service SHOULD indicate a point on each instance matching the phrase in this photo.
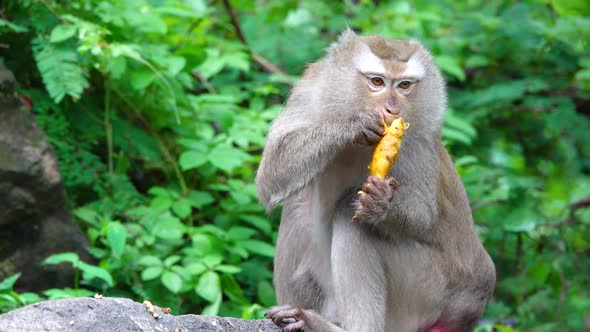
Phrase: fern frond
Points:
(60, 69)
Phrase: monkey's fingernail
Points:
(360, 192)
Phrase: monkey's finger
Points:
(391, 182)
(362, 139)
(373, 137)
(276, 309)
(368, 202)
(295, 327)
(296, 314)
(372, 189)
(380, 186)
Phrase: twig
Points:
(186, 34)
(580, 204)
(263, 62)
(154, 133)
(267, 65)
(571, 220)
(205, 82)
(107, 124)
(46, 4)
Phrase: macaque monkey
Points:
(413, 262)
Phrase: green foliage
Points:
(60, 68)
(157, 112)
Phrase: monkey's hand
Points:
(374, 198)
(370, 128)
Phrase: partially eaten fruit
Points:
(387, 150)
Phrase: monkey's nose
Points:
(391, 106)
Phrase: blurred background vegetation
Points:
(157, 111)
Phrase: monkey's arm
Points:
(301, 144)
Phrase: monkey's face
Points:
(396, 78)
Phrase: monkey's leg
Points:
(359, 277)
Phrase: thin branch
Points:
(580, 204)
(46, 4)
(571, 220)
(205, 82)
(161, 141)
(263, 62)
(186, 35)
(267, 65)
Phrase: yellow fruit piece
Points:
(386, 152)
(387, 149)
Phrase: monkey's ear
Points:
(346, 37)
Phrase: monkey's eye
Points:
(405, 84)
(377, 81)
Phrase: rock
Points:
(117, 314)
(35, 221)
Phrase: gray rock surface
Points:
(117, 315)
(35, 221)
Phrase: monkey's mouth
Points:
(389, 117)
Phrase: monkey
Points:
(413, 262)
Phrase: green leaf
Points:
(182, 208)
(230, 269)
(169, 228)
(200, 199)
(212, 260)
(266, 293)
(226, 157)
(87, 215)
(213, 308)
(175, 64)
(196, 269)
(161, 203)
(150, 261)
(159, 191)
(261, 223)
(192, 159)
(8, 283)
(117, 238)
(232, 289)
(240, 233)
(258, 247)
(62, 32)
(202, 242)
(54, 294)
(172, 281)
(451, 66)
(14, 27)
(571, 7)
(140, 79)
(169, 261)
(209, 286)
(151, 273)
(63, 257)
(90, 271)
(539, 272)
(60, 69)
(212, 65)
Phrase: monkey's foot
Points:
(288, 318)
(374, 198)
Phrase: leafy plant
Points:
(157, 111)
